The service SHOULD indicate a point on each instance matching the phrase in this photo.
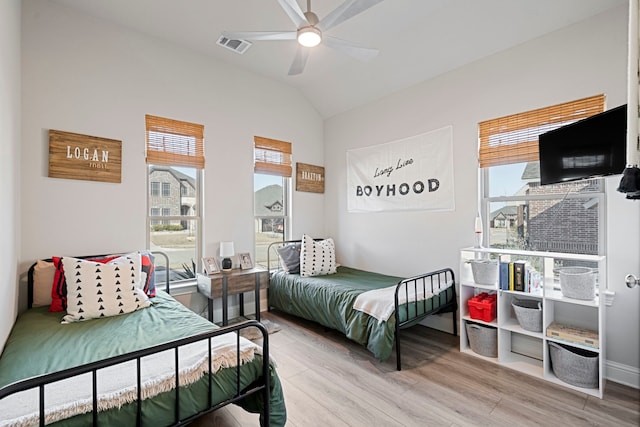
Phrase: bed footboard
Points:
(440, 284)
(262, 386)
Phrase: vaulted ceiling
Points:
(417, 39)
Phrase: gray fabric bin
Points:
(483, 339)
(574, 366)
(485, 272)
(529, 314)
(578, 282)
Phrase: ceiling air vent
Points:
(238, 46)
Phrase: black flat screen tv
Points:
(589, 148)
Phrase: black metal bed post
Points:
(166, 275)
(397, 314)
(455, 306)
(266, 393)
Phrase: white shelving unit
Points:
(526, 351)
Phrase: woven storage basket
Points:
(574, 366)
(529, 314)
(485, 272)
(578, 282)
(483, 339)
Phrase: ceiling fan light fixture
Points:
(309, 36)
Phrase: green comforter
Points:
(39, 344)
(328, 300)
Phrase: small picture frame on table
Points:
(210, 265)
(245, 261)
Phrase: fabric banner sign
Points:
(415, 173)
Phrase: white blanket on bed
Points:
(116, 384)
(380, 303)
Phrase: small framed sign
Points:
(245, 261)
(309, 178)
(210, 265)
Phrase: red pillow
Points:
(59, 287)
(146, 263)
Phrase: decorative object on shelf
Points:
(245, 261)
(210, 265)
(226, 252)
(574, 366)
(485, 271)
(483, 307)
(478, 230)
(578, 282)
(309, 178)
(573, 334)
(84, 157)
(529, 314)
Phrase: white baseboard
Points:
(623, 374)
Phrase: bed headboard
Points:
(155, 254)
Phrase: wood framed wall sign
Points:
(309, 178)
(76, 156)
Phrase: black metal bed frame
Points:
(428, 281)
(260, 386)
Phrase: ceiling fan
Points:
(311, 31)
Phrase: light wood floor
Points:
(331, 381)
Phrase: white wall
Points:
(9, 158)
(86, 76)
(579, 61)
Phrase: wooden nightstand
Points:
(234, 282)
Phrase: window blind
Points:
(514, 138)
(174, 143)
(272, 157)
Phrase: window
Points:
(155, 188)
(175, 159)
(155, 212)
(272, 177)
(166, 212)
(517, 211)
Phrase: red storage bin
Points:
(483, 307)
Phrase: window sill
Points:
(184, 287)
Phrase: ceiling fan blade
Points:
(292, 9)
(351, 49)
(346, 10)
(260, 35)
(299, 61)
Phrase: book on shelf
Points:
(511, 274)
(518, 276)
(573, 334)
(504, 275)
